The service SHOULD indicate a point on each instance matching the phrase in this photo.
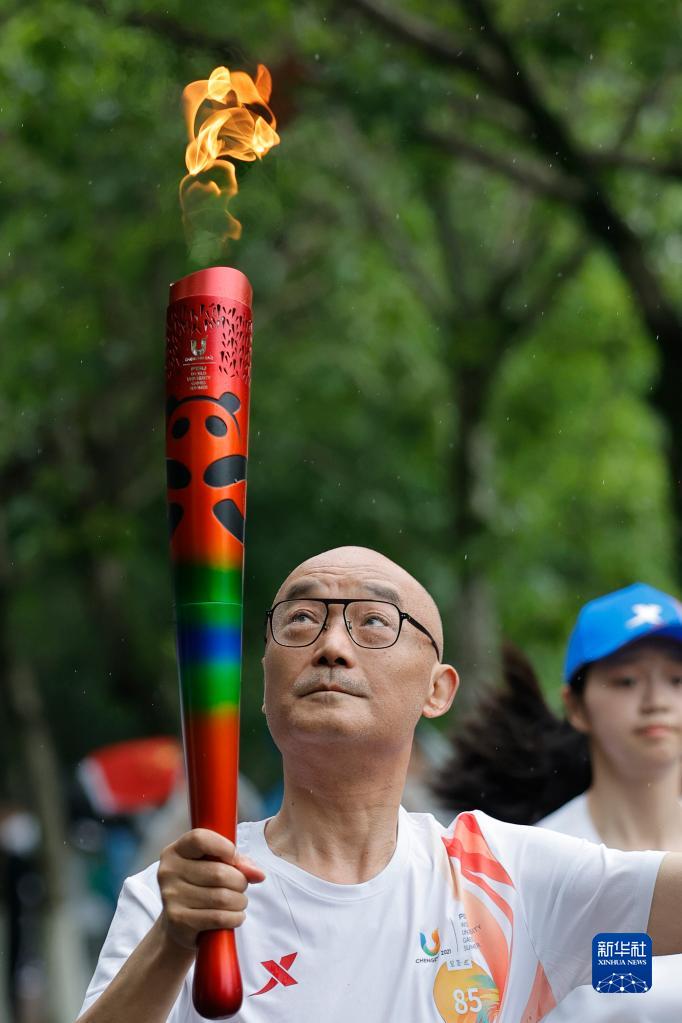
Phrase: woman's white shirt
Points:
(662, 1003)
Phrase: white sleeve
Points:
(137, 909)
(570, 890)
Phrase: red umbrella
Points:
(131, 776)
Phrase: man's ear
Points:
(574, 708)
(442, 689)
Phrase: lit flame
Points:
(228, 118)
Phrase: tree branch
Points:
(602, 220)
(615, 157)
(439, 44)
(451, 248)
(615, 160)
(542, 300)
(483, 108)
(524, 173)
(646, 96)
(518, 86)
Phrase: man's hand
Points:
(203, 884)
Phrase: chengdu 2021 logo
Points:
(621, 963)
(435, 948)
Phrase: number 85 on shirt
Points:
(465, 995)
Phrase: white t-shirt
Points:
(573, 818)
(662, 1003)
(481, 916)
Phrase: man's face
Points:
(335, 691)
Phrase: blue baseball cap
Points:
(610, 622)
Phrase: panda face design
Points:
(206, 476)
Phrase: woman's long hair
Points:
(512, 757)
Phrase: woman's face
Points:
(631, 707)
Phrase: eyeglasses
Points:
(374, 624)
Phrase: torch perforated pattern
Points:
(230, 327)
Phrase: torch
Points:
(208, 363)
(208, 356)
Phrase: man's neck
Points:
(642, 813)
(336, 823)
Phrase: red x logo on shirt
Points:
(279, 971)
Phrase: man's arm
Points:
(665, 919)
(570, 890)
(202, 881)
(147, 984)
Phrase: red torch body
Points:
(208, 363)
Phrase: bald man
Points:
(358, 910)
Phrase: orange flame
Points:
(228, 118)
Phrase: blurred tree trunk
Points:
(65, 963)
(475, 626)
(64, 956)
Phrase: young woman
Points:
(609, 772)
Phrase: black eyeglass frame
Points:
(327, 601)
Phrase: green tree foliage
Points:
(449, 363)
